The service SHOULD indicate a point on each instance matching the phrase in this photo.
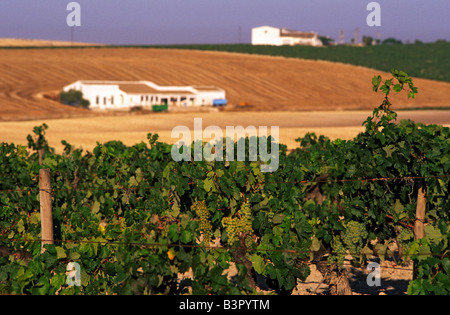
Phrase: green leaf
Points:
(60, 252)
(74, 256)
(446, 265)
(278, 218)
(96, 207)
(208, 184)
(132, 182)
(120, 277)
(220, 173)
(315, 244)
(58, 280)
(186, 237)
(433, 234)
(376, 81)
(173, 232)
(258, 263)
(398, 88)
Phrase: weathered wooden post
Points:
(419, 226)
(45, 195)
(419, 222)
(41, 153)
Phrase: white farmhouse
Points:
(127, 94)
(269, 35)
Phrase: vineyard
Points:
(137, 222)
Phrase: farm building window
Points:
(97, 100)
(112, 100)
(104, 100)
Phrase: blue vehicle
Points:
(220, 102)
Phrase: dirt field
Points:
(85, 132)
(268, 83)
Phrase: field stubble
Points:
(267, 83)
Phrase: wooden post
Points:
(419, 226)
(45, 194)
(41, 155)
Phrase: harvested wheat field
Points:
(30, 76)
(21, 42)
(132, 129)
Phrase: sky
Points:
(155, 22)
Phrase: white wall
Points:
(266, 35)
(100, 96)
(205, 98)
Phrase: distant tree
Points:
(367, 40)
(73, 98)
(440, 41)
(326, 40)
(417, 41)
(392, 41)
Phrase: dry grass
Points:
(20, 42)
(85, 132)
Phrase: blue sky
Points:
(219, 21)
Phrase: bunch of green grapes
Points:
(270, 215)
(205, 226)
(338, 252)
(354, 236)
(404, 235)
(235, 226)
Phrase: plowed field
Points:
(267, 83)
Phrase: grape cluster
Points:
(270, 215)
(404, 235)
(205, 226)
(237, 225)
(338, 252)
(354, 236)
